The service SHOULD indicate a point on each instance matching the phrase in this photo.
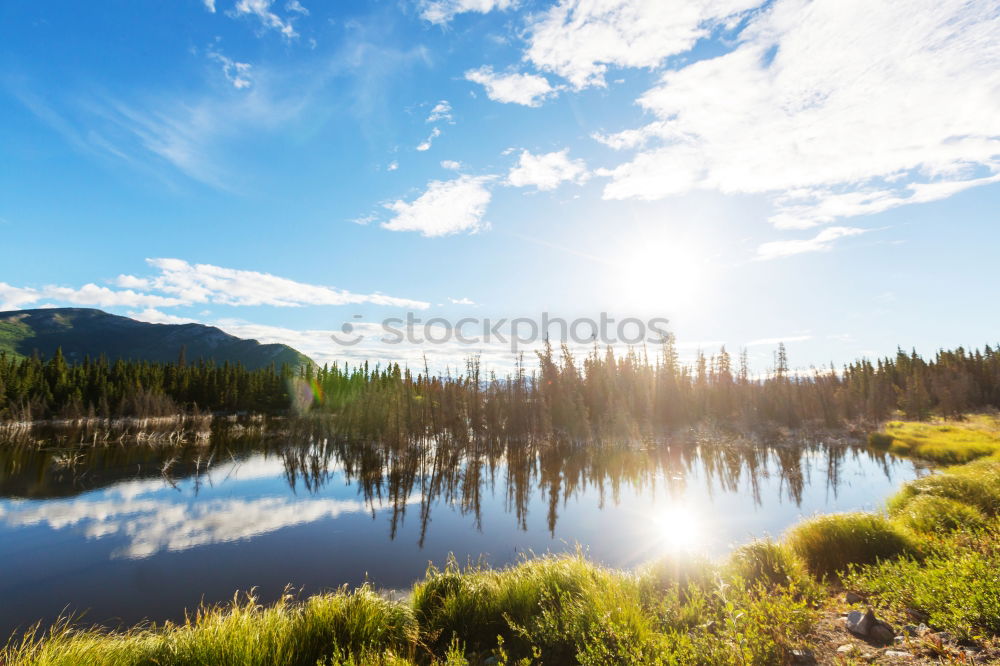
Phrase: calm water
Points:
(127, 533)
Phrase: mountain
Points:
(84, 332)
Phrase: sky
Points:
(820, 172)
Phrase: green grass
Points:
(551, 609)
(942, 442)
(927, 513)
(976, 484)
(830, 543)
(344, 627)
(953, 514)
(957, 587)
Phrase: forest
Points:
(599, 395)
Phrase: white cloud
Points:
(393, 165)
(526, 89)
(445, 207)
(262, 10)
(426, 145)
(209, 5)
(578, 39)
(150, 522)
(296, 6)
(831, 108)
(87, 295)
(154, 316)
(461, 301)
(440, 112)
(819, 243)
(546, 171)
(181, 283)
(452, 165)
(442, 11)
(237, 73)
(205, 283)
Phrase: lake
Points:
(126, 532)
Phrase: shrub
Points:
(928, 513)
(958, 589)
(769, 563)
(829, 544)
(974, 484)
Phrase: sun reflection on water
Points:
(678, 528)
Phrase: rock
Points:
(853, 598)
(491, 661)
(910, 629)
(944, 636)
(898, 654)
(881, 632)
(899, 640)
(845, 649)
(803, 656)
(860, 623)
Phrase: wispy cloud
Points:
(821, 242)
(426, 144)
(445, 207)
(440, 112)
(442, 11)
(237, 73)
(512, 88)
(261, 10)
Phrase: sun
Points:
(660, 277)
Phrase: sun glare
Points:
(660, 277)
(678, 528)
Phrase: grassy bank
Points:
(933, 556)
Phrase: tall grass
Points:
(358, 625)
(830, 544)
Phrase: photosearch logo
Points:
(515, 332)
(348, 337)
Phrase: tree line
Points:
(600, 394)
(34, 388)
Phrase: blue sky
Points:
(798, 170)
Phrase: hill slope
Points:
(86, 332)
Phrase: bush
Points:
(927, 513)
(975, 484)
(958, 589)
(829, 544)
(767, 562)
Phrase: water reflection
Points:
(118, 489)
(137, 531)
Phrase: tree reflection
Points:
(446, 471)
